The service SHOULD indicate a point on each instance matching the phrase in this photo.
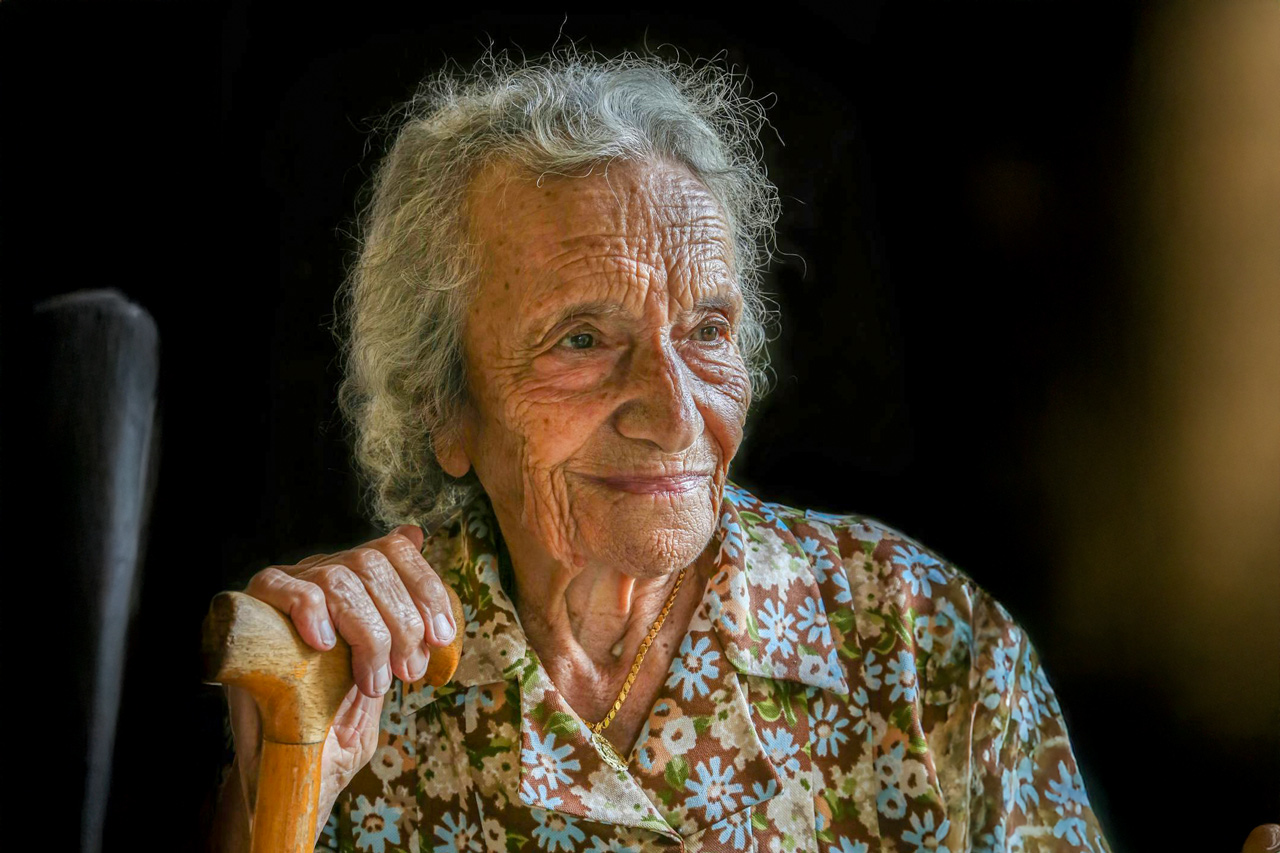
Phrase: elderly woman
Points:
(556, 330)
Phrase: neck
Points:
(594, 615)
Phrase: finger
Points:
(359, 622)
(424, 586)
(413, 533)
(352, 741)
(399, 612)
(302, 600)
(310, 561)
(355, 725)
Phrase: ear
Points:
(450, 453)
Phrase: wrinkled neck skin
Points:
(576, 616)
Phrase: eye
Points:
(710, 333)
(580, 340)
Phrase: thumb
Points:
(412, 532)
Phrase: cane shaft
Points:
(285, 817)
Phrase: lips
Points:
(640, 484)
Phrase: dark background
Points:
(955, 181)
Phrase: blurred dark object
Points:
(93, 366)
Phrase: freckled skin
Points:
(645, 378)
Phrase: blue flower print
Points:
(693, 666)
(478, 698)
(902, 675)
(760, 793)
(329, 837)
(847, 846)
(1035, 700)
(923, 636)
(816, 552)
(827, 518)
(924, 837)
(945, 614)
(891, 802)
(732, 831)
(530, 795)
(775, 626)
(814, 618)
(457, 835)
(1019, 787)
(1067, 792)
(548, 762)
(769, 512)
(871, 671)
(732, 544)
(835, 671)
(858, 709)
(918, 569)
(713, 790)
(613, 845)
(825, 726)
(844, 595)
(374, 824)
(999, 675)
(781, 747)
(556, 831)
(992, 842)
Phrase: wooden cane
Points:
(252, 645)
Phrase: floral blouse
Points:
(840, 688)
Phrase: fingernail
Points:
(444, 630)
(416, 664)
(381, 680)
(326, 633)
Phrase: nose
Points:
(660, 407)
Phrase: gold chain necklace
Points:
(601, 743)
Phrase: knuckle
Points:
(267, 580)
(410, 623)
(340, 579)
(379, 638)
(403, 549)
(310, 595)
(367, 561)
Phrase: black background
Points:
(954, 187)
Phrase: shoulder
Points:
(881, 579)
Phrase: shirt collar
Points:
(764, 598)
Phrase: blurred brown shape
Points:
(1167, 470)
(1263, 839)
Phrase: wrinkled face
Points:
(607, 391)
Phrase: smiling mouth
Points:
(637, 484)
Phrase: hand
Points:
(391, 608)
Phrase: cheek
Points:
(550, 432)
(724, 399)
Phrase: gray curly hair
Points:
(403, 305)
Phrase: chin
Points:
(655, 543)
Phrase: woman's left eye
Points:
(710, 333)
